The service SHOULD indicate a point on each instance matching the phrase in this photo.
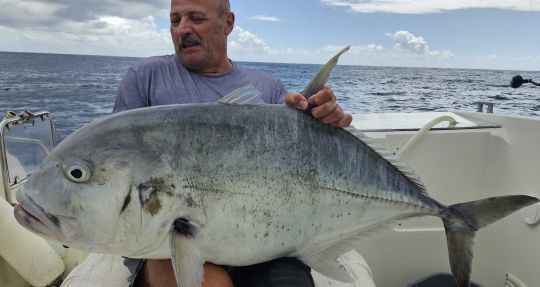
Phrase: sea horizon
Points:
(262, 62)
(77, 89)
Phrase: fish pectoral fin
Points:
(326, 262)
(186, 258)
(246, 95)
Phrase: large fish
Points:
(234, 183)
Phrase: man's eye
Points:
(198, 19)
(175, 21)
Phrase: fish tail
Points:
(463, 222)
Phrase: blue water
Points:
(78, 89)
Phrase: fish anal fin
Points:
(185, 256)
(357, 268)
(326, 262)
(340, 261)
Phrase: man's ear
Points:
(230, 23)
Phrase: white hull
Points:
(458, 166)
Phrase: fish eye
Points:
(78, 171)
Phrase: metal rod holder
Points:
(489, 106)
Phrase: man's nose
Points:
(184, 27)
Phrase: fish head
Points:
(101, 192)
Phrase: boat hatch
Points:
(25, 141)
(389, 122)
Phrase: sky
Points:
(477, 34)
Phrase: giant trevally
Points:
(234, 183)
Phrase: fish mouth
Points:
(34, 218)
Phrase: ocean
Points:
(77, 89)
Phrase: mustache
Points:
(188, 40)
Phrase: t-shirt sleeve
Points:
(130, 94)
(281, 92)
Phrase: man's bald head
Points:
(224, 7)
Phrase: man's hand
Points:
(325, 107)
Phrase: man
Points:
(199, 32)
(200, 71)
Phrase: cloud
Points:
(243, 41)
(405, 46)
(140, 34)
(410, 45)
(15, 13)
(92, 9)
(35, 13)
(356, 51)
(247, 46)
(426, 6)
(106, 35)
(103, 27)
(265, 18)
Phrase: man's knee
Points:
(161, 273)
(215, 276)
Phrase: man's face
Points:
(199, 32)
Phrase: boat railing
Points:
(25, 140)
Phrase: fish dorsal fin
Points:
(317, 83)
(389, 156)
(246, 95)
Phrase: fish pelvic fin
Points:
(463, 222)
(186, 258)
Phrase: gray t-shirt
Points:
(163, 80)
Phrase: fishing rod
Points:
(518, 80)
